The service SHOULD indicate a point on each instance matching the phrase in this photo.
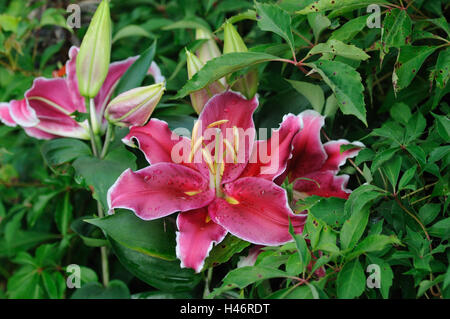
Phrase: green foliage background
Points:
(383, 86)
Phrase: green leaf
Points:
(392, 170)
(222, 252)
(304, 256)
(330, 210)
(318, 23)
(386, 275)
(350, 29)
(64, 215)
(53, 16)
(219, 67)
(25, 284)
(132, 30)
(346, 85)
(63, 150)
(442, 126)
(373, 243)
(361, 197)
(92, 236)
(274, 19)
(407, 177)
(354, 228)
(429, 212)
(136, 73)
(247, 15)
(159, 273)
(155, 238)
(396, 29)
(116, 290)
(101, 174)
(400, 112)
(244, 276)
(441, 229)
(48, 53)
(335, 47)
(442, 70)
(325, 5)
(351, 280)
(409, 61)
(313, 93)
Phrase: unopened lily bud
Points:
(134, 107)
(95, 51)
(200, 97)
(208, 50)
(247, 84)
(232, 42)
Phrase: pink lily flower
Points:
(217, 181)
(314, 166)
(45, 112)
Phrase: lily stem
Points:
(96, 144)
(108, 139)
(207, 282)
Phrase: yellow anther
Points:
(236, 139)
(217, 123)
(230, 148)
(208, 160)
(195, 148)
(231, 200)
(192, 193)
(222, 167)
(207, 219)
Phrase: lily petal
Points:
(52, 103)
(160, 190)
(5, 117)
(22, 113)
(308, 154)
(39, 134)
(71, 77)
(270, 157)
(157, 141)
(235, 111)
(256, 210)
(324, 182)
(196, 237)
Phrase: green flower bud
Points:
(200, 97)
(232, 40)
(95, 51)
(209, 49)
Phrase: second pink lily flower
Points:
(214, 195)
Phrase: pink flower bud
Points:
(134, 107)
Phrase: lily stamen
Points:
(217, 123)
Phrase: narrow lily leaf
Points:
(336, 47)
(247, 15)
(346, 85)
(373, 243)
(136, 73)
(63, 150)
(132, 30)
(221, 66)
(312, 92)
(244, 276)
(273, 18)
(95, 52)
